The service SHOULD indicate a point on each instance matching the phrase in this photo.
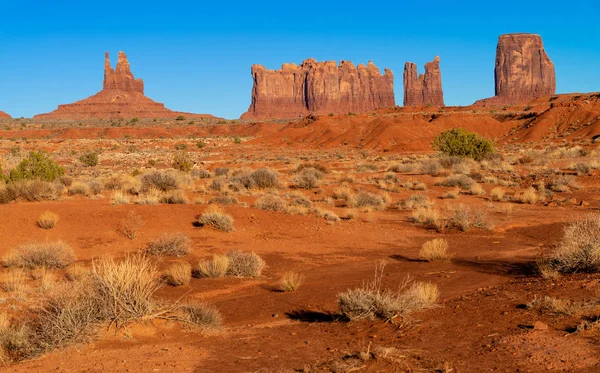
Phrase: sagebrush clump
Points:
(462, 143)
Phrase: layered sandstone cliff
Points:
(4, 115)
(424, 89)
(122, 96)
(523, 72)
(318, 88)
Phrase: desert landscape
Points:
(326, 230)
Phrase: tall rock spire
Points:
(424, 89)
(122, 79)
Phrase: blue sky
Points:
(196, 57)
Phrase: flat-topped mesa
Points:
(122, 96)
(122, 79)
(523, 70)
(424, 89)
(4, 115)
(318, 88)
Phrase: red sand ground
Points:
(479, 325)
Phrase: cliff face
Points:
(122, 96)
(318, 88)
(3, 115)
(424, 89)
(523, 71)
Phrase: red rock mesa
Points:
(122, 96)
(3, 115)
(424, 89)
(318, 88)
(523, 71)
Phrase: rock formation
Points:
(3, 115)
(122, 96)
(318, 88)
(523, 72)
(424, 89)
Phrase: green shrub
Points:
(37, 166)
(89, 159)
(461, 143)
(182, 162)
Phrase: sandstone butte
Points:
(424, 89)
(122, 96)
(523, 72)
(319, 88)
(4, 115)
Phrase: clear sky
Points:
(195, 56)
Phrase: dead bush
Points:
(415, 201)
(125, 288)
(497, 194)
(271, 202)
(119, 198)
(169, 244)
(291, 281)
(160, 180)
(436, 249)
(264, 178)
(462, 181)
(47, 220)
(371, 301)
(29, 190)
(203, 315)
(178, 274)
(223, 200)
(216, 218)
(130, 225)
(174, 197)
(529, 196)
(366, 199)
(308, 178)
(579, 250)
(464, 219)
(244, 264)
(212, 268)
(428, 217)
(41, 254)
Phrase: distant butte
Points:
(523, 71)
(3, 115)
(122, 96)
(319, 88)
(424, 89)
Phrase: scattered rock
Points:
(538, 325)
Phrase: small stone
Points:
(538, 325)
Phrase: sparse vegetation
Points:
(244, 264)
(461, 143)
(47, 220)
(216, 218)
(169, 244)
(38, 166)
(178, 274)
(40, 254)
(291, 281)
(436, 249)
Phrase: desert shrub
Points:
(419, 185)
(554, 306)
(95, 187)
(223, 200)
(178, 274)
(464, 219)
(401, 167)
(125, 288)
(76, 272)
(461, 143)
(174, 197)
(264, 178)
(430, 167)
(371, 301)
(244, 264)
(366, 167)
(130, 225)
(126, 183)
(221, 171)
(37, 165)
(47, 220)
(160, 180)
(563, 183)
(29, 190)
(290, 281)
(415, 201)
(476, 190)
(579, 250)
(201, 174)
(319, 167)
(41, 254)
(79, 188)
(428, 217)
(529, 196)
(151, 197)
(436, 249)
(169, 244)
(299, 199)
(182, 162)
(213, 267)
(14, 281)
(203, 315)
(451, 194)
(308, 178)
(119, 198)
(326, 214)
(366, 199)
(89, 159)
(271, 202)
(497, 194)
(216, 218)
(217, 184)
(461, 181)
